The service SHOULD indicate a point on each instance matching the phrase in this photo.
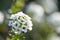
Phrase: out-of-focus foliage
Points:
(5, 4)
(39, 32)
(17, 6)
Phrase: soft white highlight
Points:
(48, 5)
(54, 19)
(1, 17)
(35, 11)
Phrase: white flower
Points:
(20, 14)
(24, 28)
(16, 24)
(27, 17)
(10, 23)
(20, 22)
(17, 32)
(29, 24)
(13, 17)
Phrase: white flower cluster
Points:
(20, 22)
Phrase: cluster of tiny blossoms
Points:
(20, 22)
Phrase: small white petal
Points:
(24, 29)
(30, 28)
(10, 23)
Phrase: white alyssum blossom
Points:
(24, 28)
(20, 22)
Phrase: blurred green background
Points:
(41, 31)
